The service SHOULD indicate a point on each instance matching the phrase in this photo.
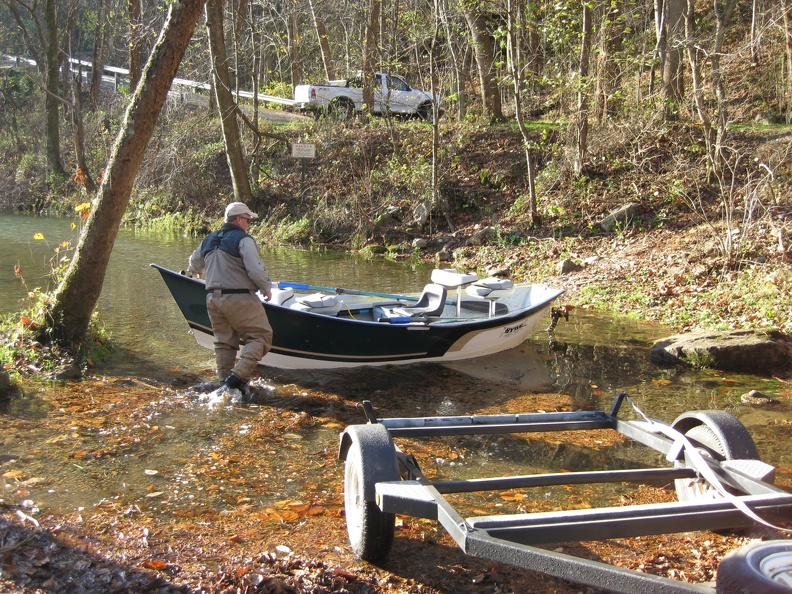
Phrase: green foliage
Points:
(26, 349)
(295, 232)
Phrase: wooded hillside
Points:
(556, 114)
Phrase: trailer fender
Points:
(730, 440)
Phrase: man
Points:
(230, 262)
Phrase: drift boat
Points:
(457, 316)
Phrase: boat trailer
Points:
(720, 482)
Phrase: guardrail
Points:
(113, 74)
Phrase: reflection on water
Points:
(590, 358)
(135, 305)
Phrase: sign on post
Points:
(303, 150)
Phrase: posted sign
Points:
(303, 150)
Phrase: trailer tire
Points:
(718, 435)
(763, 566)
(370, 530)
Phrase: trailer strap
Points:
(700, 465)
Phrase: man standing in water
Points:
(229, 260)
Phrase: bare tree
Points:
(583, 93)
(68, 317)
(786, 9)
(370, 54)
(610, 45)
(457, 58)
(670, 30)
(100, 49)
(714, 128)
(225, 101)
(54, 163)
(516, 26)
(324, 43)
(135, 42)
(484, 49)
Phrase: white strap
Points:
(700, 465)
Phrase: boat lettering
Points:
(509, 329)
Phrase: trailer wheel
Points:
(370, 529)
(717, 435)
(758, 567)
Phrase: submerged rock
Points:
(756, 398)
(748, 351)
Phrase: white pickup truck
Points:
(342, 98)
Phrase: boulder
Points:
(623, 214)
(482, 237)
(746, 351)
(568, 266)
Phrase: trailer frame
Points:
(721, 484)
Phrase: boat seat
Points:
(491, 289)
(432, 302)
(280, 296)
(451, 279)
(317, 303)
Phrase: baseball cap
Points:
(238, 208)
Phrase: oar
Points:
(341, 291)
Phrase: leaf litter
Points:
(126, 485)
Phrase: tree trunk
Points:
(583, 99)
(673, 80)
(54, 163)
(786, 8)
(694, 57)
(135, 36)
(83, 176)
(456, 60)
(101, 43)
(437, 196)
(754, 37)
(324, 44)
(370, 55)
(608, 79)
(721, 101)
(225, 101)
(516, 64)
(68, 317)
(484, 49)
(294, 35)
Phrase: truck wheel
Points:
(759, 567)
(426, 113)
(342, 109)
(371, 458)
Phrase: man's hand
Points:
(268, 296)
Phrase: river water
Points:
(592, 357)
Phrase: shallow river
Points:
(592, 357)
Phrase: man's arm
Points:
(255, 266)
(196, 263)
